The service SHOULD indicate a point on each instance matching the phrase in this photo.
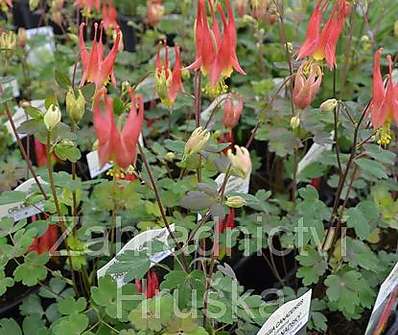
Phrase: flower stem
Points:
(159, 202)
(57, 205)
(23, 152)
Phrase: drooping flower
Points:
(56, 9)
(88, 5)
(233, 107)
(119, 146)
(328, 105)
(150, 286)
(109, 15)
(240, 162)
(384, 105)
(155, 12)
(321, 43)
(216, 50)
(197, 141)
(307, 82)
(168, 83)
(241, 7)
(96, 68)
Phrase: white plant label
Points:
(137, 243)
(44, 51)
(11, 84)
(314, 154)
(388, 286)
(20, 117)
(18, 210)
(94, 165)
(234, 184)
(290, 318)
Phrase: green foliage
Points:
(33, 269)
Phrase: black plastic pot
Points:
(25, 18)
(129, 33)
(255, 272)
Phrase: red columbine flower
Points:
(168, 83)
(96, 68)
(40, 153)
(115, 145)
(321, 44)
(151, 285)
(307, 82)
(109, 15)
(88, 5)
(227, 223)
(216, 51)
(384, 105)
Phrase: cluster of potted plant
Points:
(198, 167)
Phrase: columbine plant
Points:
(136, 199)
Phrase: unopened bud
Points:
(170, 156)
(75, 105)
(33, 4)
(233, 107)
(197, 141)
(52, 117)
(235, 201)
(295, 122)
(328, 105)
(25, 104)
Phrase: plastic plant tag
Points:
(314, 154)
(137, 243)
(290, 318)
(20, 116)
(18, 210)
(94, 164)
(9, 88)
(41, 45)
(234, 184)
(383, 308)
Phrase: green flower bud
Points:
(235, 201)
(295, 122)
(75, 105)
(170, 156)
(328, 105)
(52, 117)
